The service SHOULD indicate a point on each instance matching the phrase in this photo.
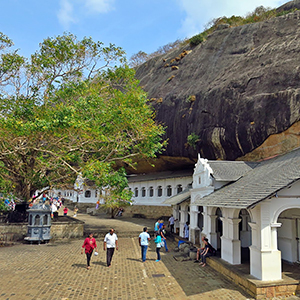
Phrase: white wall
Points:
(155, 200)
(72, 195)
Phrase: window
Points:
(179, 188)
(169, 191)
(151, 191)
(159, 191)
(87, 194)
(96, 193)
(37, 220)
(45, 220)
(136, 192)
(143, 192)
(199, 180)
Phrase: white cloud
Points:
(71, 11)
(200, 12)
(99, 6)
(65, 14)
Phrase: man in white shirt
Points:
(171, 223)
(144, 237)
(110, 243)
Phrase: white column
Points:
(194, 229)
(265, 258)
(212, 235)
(230, 243)
(183, 220)
(176, 216)
(274, 227)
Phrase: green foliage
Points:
(197, 39)
(258, 15)
(3, 207)
(192, 140)
(70, 115)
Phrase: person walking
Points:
(144, 239)
(65, 211)
(110, 243)
(158, 241)
(89, 244)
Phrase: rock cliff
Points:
(227, 96)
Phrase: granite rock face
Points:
(231, 92)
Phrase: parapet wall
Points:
(69, 228)
(147, 211)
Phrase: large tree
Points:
(73, 107)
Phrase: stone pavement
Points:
(58, 271)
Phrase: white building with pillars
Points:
(250, 212)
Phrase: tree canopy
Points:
(73, 107)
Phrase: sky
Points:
(134, 25)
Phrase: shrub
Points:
(192, 140)
(197, 39)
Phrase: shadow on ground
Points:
(195, 280)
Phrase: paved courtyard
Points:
(58, 271)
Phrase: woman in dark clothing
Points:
(89, 244)
(207, 251)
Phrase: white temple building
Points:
(248, 211)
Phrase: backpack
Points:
(212, 250)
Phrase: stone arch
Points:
(179, 188)
(30, 219)
(37, 220)
(288, 234)
(245, 234)
(183, 217)
(282, 208)
(219, 226)
(151, 191)
(87, 194)
(159, 191)
(169, 190)
(214, 222)
(143, 191)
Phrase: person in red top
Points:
(89, 244)
(65, 211)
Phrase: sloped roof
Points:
(179, 198)
(230, 170)
(160, 175)
(267, 178)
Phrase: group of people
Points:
(10, 203)
(110, 243)
(159, 239)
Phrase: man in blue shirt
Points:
(144, 239)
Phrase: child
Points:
(158, 246)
